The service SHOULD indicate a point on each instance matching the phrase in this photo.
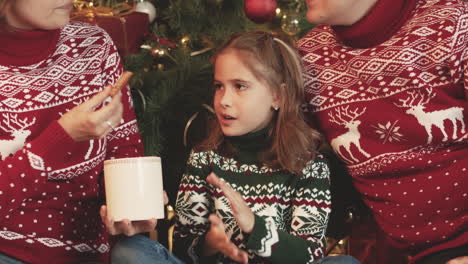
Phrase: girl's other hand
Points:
(84, 122)
(126, 227)
(216, 240)
(244, 216)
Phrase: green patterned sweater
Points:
(291, 211)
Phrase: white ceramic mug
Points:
(134, 188)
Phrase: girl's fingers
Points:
(225, 245)
(234, 253)
(215, 221)
(214, 180)
(235, 199)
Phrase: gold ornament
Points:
(91, 9)
(290, 23)
(157, 52)
(185, 41)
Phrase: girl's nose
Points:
(226, 98)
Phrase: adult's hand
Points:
(127, 227)
(84, 122)
(216, 240)
(244, 216)
(459, 260)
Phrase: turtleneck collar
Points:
(248, 146)
(384, 19)
(26, 47)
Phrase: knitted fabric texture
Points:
(291, 211)
(396, 113)
(50, 185)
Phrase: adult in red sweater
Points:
(57, 126)
(387, 81)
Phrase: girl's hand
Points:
(127, 227)
(84, 122)
(241, 211)
(216, 240)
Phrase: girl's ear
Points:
(278, 97)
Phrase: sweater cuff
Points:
(264, 235)
(51, 149)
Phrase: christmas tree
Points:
(173, 75)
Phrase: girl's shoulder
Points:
(200, 158)
(316, 167)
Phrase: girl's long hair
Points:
(3, 4)
(276, 61)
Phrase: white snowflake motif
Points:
(246, 167)
(265, 169)
(230, 164)
(203, 158)
(318, 170)
(215, 158)
(388, 132)
(197, 159)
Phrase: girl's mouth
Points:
(227, 117)
(226, 120)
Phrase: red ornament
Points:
(260, 11)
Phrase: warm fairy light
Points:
(185, 40)
(278, 11)
(156, 51)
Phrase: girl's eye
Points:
(241, 86)
(217, 86)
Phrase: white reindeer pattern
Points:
(434, 118)
(17, 128)
(352, 136)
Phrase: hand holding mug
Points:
(126, 226)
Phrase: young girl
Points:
(273, 202)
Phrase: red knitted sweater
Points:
(396, 112)
(51, 186)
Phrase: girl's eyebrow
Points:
(239, 80)
(232, 80)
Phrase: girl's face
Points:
(337, 12)
(242, 102)
(38, 14)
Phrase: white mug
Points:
(134, 188)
